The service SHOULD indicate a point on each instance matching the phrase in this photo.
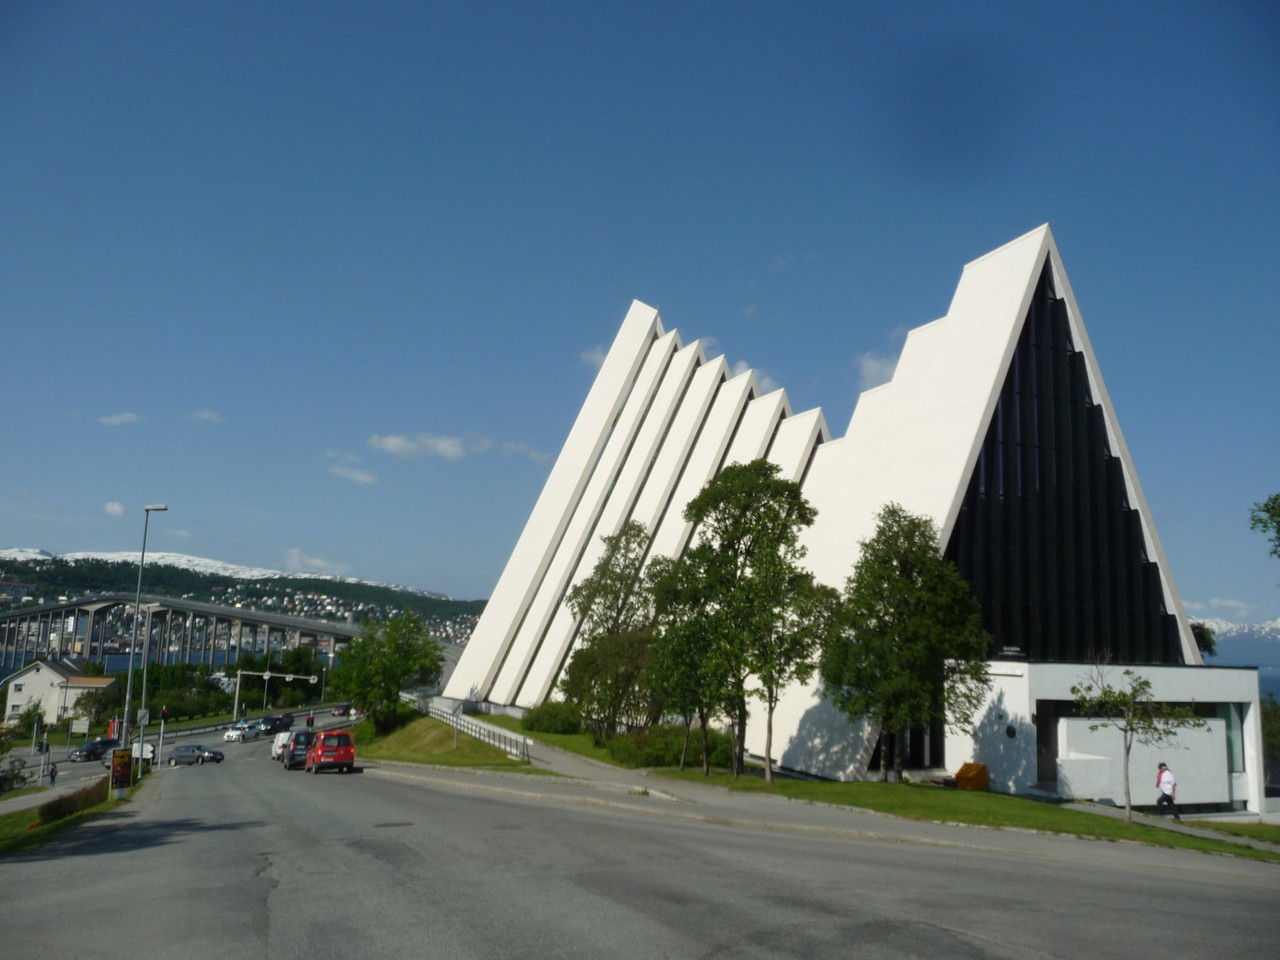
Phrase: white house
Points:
(53, 685)
(998, 426)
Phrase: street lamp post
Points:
(137, 615)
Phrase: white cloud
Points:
(537, 456)
(1239, 609)
(113, 508)
(117, 419)
(428, 444)
(593, 357)
(765, 382)
(295, 561)
(349, 471)
(208, 415)
(180, 534)
(874, 369)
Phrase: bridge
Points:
(174, 630)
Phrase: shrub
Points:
(554, 717)
(660, 747)
(70, 804)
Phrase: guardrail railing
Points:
(508, 743)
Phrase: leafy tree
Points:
(95, 705)
(12, 774)
(1130, 708)
(1270, 734)
(31, 717)
(605, 677)
(615, 598)
(917, 651)
(1265, 516)
(1206, 639)
(686, 674)
(381, 662)
(744, 563)
(809, 621)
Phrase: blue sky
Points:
(327, 278)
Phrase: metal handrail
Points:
(515, 746)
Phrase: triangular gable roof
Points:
(915, 440)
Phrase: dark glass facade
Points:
(1046, 535)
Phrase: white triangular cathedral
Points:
(998, 426)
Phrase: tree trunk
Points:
(706, 744)
(684, 747)
(1128, 805)
(899, 743)
(740, 738)
(768, 745)
(885, 738)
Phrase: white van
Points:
(278, 744)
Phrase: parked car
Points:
(92, 750)
(295, 750)
(190, 753)
(238, 734)
(278, 744)
(332, 749)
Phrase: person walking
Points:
(1168, 788)
(53, 774)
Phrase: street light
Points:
(137, 615)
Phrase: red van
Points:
(335, 749)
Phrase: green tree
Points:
(605, 677)
(745, 557)
(1206, 639)
(12, 773)
(686, 673)
(808, 622)
(1130, 708)
(916, 650)
(1270, 734)
(1265, 516)
(96, 705)
(382, 661)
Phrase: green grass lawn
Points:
(1268, 833)
(579, 743)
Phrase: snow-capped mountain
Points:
(198, 564)
(1249, 645)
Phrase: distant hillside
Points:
(1249, 645)
(51, 577)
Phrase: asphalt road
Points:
(241, 859)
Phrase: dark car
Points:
(294, 753)
(190, 753)
(341, 710)
(270, 725)
(93, 750)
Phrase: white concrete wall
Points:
(1091, 764)
(1090, 760)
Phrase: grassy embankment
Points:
(424, 740)
(27, 829)
(937, 804)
